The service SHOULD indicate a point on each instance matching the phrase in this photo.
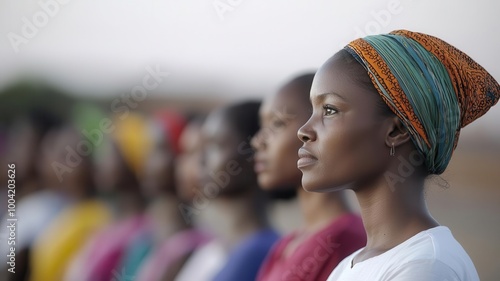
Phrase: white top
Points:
(431, 255)
(34, 212)
(204, 263)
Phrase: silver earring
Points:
(393, 150)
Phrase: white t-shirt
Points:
(204, 263)
(34, 212)
(431, 255)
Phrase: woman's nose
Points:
(257, 142)
(306, 132)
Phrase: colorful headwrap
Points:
(132, 139)
(434, 88)
(172, 124)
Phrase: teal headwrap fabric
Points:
(428, 88)
(433, 87)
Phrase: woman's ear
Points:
(397, 133)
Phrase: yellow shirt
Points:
(57, 245)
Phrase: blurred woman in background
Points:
(234, 207)
(188, 162)
(70, 230)
(172, 238)
(331, 230)
(37, 194)
(207, 259)
(119, 164)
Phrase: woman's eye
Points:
(277, 123)
(329, 110)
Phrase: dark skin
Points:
(157, 184)
(187, 171)
(114, 178)
(158, 178)
(221, 144)
(76, 184)
(281, 115)
(240, 201)
(346, 144)
(23, 143)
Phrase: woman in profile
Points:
(119, 162)
(387, 113)
(170, 240)
(235, 207)
(331, 231)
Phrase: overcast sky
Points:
(245, 47)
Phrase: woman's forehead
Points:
(335, 80)
(331, 78)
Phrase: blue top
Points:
(244, 261)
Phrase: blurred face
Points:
(48, 155)
(188, 163)
(227, 158)
(22, 143)
(109, 168)
(159, 169)
(344, 139)
(55, 147)
(276, 143)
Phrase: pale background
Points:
(98, 48)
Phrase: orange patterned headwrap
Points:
(434, 88)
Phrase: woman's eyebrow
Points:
(265, 116)
(323, 96)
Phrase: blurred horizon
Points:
(221, 50)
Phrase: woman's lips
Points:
(306, 158)
(260, 165)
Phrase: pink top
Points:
(318, 255)
(102, 255)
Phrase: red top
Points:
(318, 255)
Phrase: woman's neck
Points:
(166, 218)
(392, 215)
(127, 204)
(319, 209)
(233, 219)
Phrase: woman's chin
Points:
(314, 185)
(267, 182)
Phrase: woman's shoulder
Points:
(433, 253)
(441, 250)
(437, 243)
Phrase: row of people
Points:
(166, 198)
